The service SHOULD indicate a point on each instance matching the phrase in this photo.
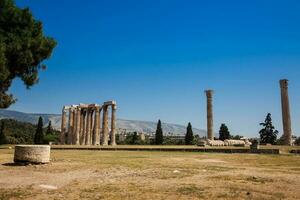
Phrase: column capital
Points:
(209, 93)
(284, 83)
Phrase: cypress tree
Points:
(268, 135)
(2, 134)
(224, 133)
(49, 130)
(39, 135)
(159, 134)
(189, 136)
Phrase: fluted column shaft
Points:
(96, 138)
(113, 125)
(77, 133)
(286, 115)
(210, 124)
(105, 126)
(63, 126)
(81, 132)
(84, 127)
(88, 127)
(70, 129)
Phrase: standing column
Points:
(81, 134)
(286, 116)
(70, 130)
(84, 126)
(78, 112)
(105, 126)
(113, 124)
(63, 126)
(96, 139)
(88, 127)
(210, 124)
(92, 126)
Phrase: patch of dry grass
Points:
(152, 175)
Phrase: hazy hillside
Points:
(129, 125)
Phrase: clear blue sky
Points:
(156, 58)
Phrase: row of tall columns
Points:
(286, 115)
(84, 125)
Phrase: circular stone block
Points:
(37, 154)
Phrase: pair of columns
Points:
(286, 116)
(84, 124)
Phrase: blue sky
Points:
(156, 58)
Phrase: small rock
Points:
(48, 187)
(176, 171)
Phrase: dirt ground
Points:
(151, 175)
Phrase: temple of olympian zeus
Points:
(286, 116)
(82, 126)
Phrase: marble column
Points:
(70, 129)
(88, 127)
(63, 126)
(210, 129)
(77, 133)
(81, 134)
(92, 126)
(113, 124)
(84, 126)
(96, 138)
(105, 126)
(286, 115)
(74, 125)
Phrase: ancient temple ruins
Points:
(81, 124)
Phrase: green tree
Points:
(268, 135)
(39, 135)
(159, 138)
(189, 136)
(23, 48)
(49, 130)
(224, 133)
(2, 134)
(297, 141)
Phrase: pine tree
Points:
(49, 130)
(189, 136)
(159, 134)
(224, 133)
(39, 135)
(268, 135)
(2, 134)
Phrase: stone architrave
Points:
(63, 126)
(105, 126)
(210, 131)
(286, 115)
(113, 124)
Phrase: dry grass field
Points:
(80, 174)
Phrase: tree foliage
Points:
(2, 136)
(159, 138)
(23, 48)
(15, 132)
(268, 135)
(189, 136)
(224, 133)
(49, 130)
(39, 134)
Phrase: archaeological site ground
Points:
(81, 174)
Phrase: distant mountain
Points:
(129, 125)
